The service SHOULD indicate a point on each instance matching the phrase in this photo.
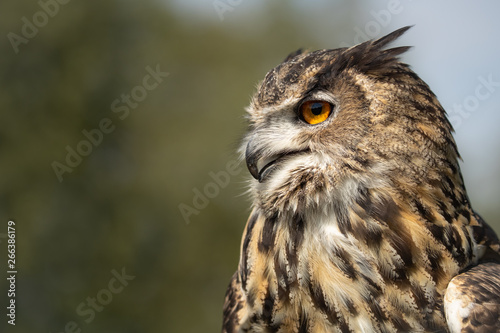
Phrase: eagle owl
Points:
(360, 221)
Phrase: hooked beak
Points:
(261, 164)
(252, 156)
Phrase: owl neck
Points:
(372, 246)
(413, 217)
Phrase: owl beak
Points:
(261, 164)
(258, 163)
(252, 156)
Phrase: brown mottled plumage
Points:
(361, 220)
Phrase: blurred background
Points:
(116, 115)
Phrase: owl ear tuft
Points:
(371, 57)
(387, 39)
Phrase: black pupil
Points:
(317, 108)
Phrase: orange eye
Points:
(315, 112)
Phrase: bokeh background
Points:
(119, 207)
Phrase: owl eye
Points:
(315, 112)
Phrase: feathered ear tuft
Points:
(383, 41)
(370, 57)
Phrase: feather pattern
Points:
(360, 222)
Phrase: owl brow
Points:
(290, 101)
(315, 86)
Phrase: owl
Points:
(360, 219)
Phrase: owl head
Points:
(330, 124)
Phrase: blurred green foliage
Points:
(119, 207)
